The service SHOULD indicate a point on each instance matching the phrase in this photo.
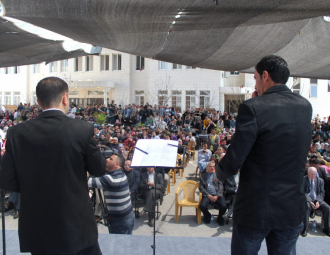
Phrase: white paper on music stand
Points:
(162, 153)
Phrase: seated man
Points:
(116, 193)
(129, 142)
(133, 178)
(212, 189)
(314, 191)
(204, 156)
(149, 180)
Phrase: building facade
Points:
(133, 79)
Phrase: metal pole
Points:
(3, 222)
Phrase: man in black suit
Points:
(314, 191)
(150, 180)
(133, 177)
(47, 160)
(270, 146)
(212, 189)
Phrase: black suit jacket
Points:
(270, 146)
(47, 160)
(215, 181)
(135, 181)
(319, 184)
(144, 180)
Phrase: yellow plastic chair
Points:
(189, 191)
(171, 173)
(327, 164)
(178, 158)
(192, 149)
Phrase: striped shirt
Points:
(116, 194)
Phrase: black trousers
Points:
(150, 198)
(324, 208)
(221, 203)
(92, 250)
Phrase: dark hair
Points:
(121, 160)
(276, 67)
(316, 161)
(50, 91)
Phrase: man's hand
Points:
(150, 184)
(317, 205)
(312, 205)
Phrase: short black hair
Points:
(50, 90)
(121, 160)
(276, 67)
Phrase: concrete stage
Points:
(172, 245)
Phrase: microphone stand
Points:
(3, 222)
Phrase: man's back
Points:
(52, 154)
(270, 149)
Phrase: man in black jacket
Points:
(270, 146)
(150, 181)
(133, 177)
(212, 189)
(47, 160)
(314, 191)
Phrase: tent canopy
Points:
(222, 35)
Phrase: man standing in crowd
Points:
(45, 160)
(270, 146)
(116, 195)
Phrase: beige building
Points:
(132, 79)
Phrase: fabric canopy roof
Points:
(222, 35)
(18, 47)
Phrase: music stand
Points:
(156, 153)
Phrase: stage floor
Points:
(184, 237)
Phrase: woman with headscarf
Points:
(122, 151)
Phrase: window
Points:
(16, 69)
(7, 98)
(105, 62)
(235, 73)
(36, 68)
(191, 67)
(162, 97)
(139, 97)
(328, 85)
(204, 99)
(190, 99)
(89, 63)
(5, 70)
(17, 98)
(313, 81)
(95, 93)
(78, 64)
(73, 92)
(116, 62)
(34, 98)
(139, 63)
(0, 98)
(163, 65)
(53, 67)
(176, 98)
(313, 91)
(177, 66)
(64, 65)
(296, 89)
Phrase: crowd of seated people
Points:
(210, 132)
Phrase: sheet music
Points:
(161, 153)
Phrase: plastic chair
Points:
(178, 158)
(189, 191)
(191, 148)
(197, 172)
(327, 164)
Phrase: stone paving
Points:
(166, 226)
